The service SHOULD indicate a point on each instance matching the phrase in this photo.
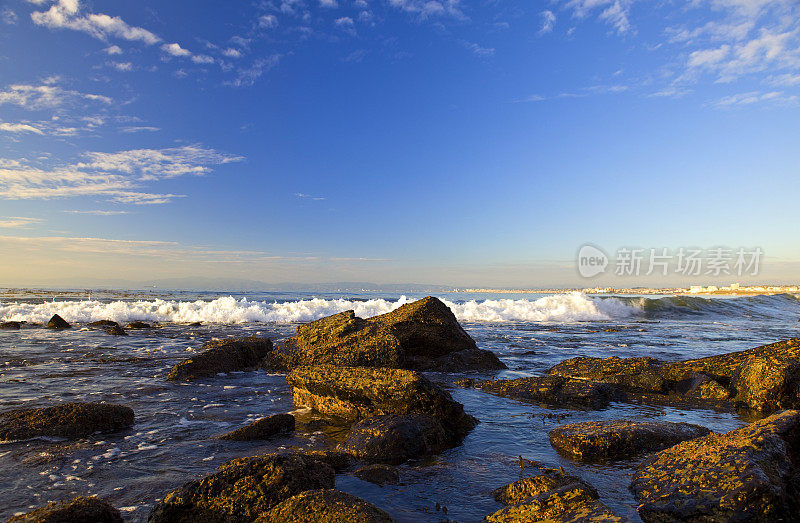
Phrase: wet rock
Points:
(116, 331)
(378, 474)
(57, 323)
(325, 506)
(222, 356)
(748, 474)
(768, 383)
(550, 498)
(592, 440)
(633, 374)
(423, 335)
(78, 510)
(138, 325)
(263, 428)
(68, 420)
(336, 459)
(354, 393)
(553, 390)
(10, 325)
(396, 438)
(244, 489)
(104, 323)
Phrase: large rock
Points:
(244, 489)
(423, 335)
(633, 374)
(592, 440)
(354, 393)
(325, 506)
(396, 438)
(77, 510)
(68, 420)
(768, 382)
(553, 390)
(549, 497)
(748, 474)
(57, 323)
(10, 325)
(222, 356)
(263, 428)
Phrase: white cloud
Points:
(17, 222)
(139, 128)
(548, 22)
(156, 164)
(614, 12)
(231, 52)
(483, 52)
(112, 50)
(755, 97)
(45, 96)
(202, 59)
(8, 16)
(785, 80)
(430, 8)
(304, 196)
(330, 4)
(19, 128)
(65, 14)
(268, 21)
(175, 50)
(122, 66)
(248, 75)
(98, 212)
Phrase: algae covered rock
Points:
(354, 393)
(553, 390)
(10, 325)
(244, 489)
(68, 420)
(593, 440)
(57, 323)
(524, 488)
(396, 438)
(378, 473)
(263, 428)
(748, 474)
(768, 383)
(422, 335)
(77, 510)
(222, 356)
(134, 325)
(325, 506)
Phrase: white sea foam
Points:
(556, 308)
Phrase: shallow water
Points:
(176, 424)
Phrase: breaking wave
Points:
(568, 307)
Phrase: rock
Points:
(423, 335)
(553, 390)
(354, 393)
(138, 325)
(378, 474)
(77, 510)
(748, 474)
(263, 428)
(592, 440)
(116, 330)
(68, 420)
(10, 325)
(325, 506)
(104, 323)
(395, 438)
(768, 383)
(550, 498)
(244, 489)
(57, 323)
(336, 459)
(222, 356)
(632, 374)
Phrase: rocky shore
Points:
(364, 377)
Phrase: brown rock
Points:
(263, 428)
(553, 390)
(520, 490)
(116, 331)
(768, 382)
(10, 325)
(243, 489)
(222, 356)
(68, 420)
(423, 335)
(592, 440)
(57, 323)
(396, 438)
(748, 474)
(104, 323)
(78, 510)
(378, 474)
(138, 325)
(325, 506)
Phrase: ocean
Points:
(174, 438)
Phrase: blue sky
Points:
(454, 142)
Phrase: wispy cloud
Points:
(17, 222)
(139, 129)
(98, 212)
(756, 97)
(19, 128)
(66, 14)
(430, 8)
(614, 12)
(46, 96)
(477, 50)
(548, 22)
(8, 16)
(309, 197)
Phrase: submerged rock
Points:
(77, 510)
(10, 325)
(116, 330)
(104, 323)
(396, 438)
(222, 356)
(549, 497)
(553, 390)
(748, 474)
(354, 393)
(263, 428)
(423, 335)
(592, 440)
(68, 420)
(378, 474)
(57, 323)
(244, 489)
(325, 506)
(138, 325)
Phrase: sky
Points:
(467, 143)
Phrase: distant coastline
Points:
(694, 290)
